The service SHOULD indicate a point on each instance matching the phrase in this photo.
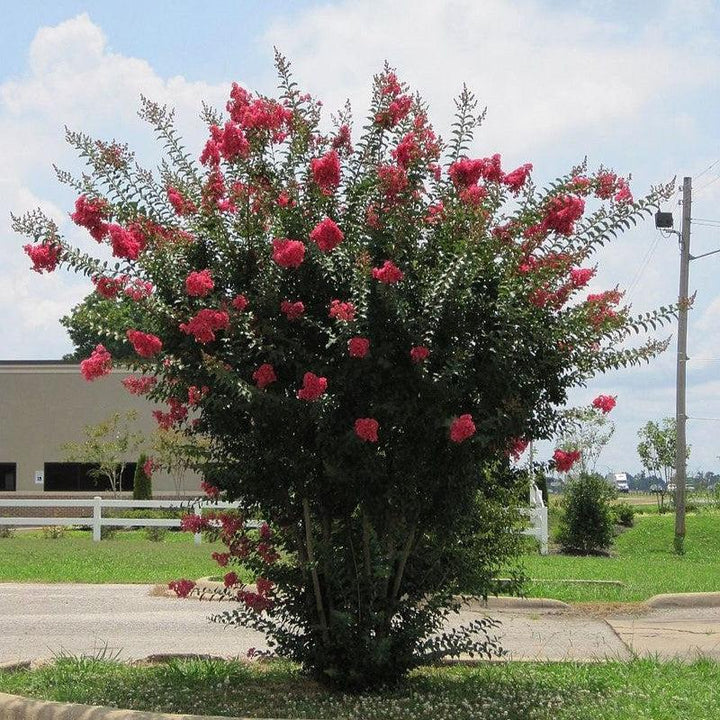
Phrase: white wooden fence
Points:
(537, 513)
(97, 521)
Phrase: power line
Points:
(707, 169)
(707, 184)
(643, 264)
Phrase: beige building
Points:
(46, 404)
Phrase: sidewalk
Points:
(39, 621)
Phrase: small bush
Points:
(624, 514)
(53, 532)
(587, 525)
(155, 534)
(108, 533)
(6, 531)
(142, 487)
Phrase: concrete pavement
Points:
(39, 621)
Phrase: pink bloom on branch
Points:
(180, 203)
(419, 353)
(240, 302)
(230, 579)
(389, 273)
(393, 181)
(98, 364)
(139, 289)
(288, 253)
(367, 429)
(604, 403)
(313, 387)
(199, 284)
(210, 490)
(358, 347)
(264, 586)
(196, 394)
(516, 179)
(407, 151)
(205, 324)
(517, 448)
(565, 460)
(193, 523)
(473, 195)
(390, 85)
(91, 214)
(220, 558)
(231, 141)
(145, 344)
(606, 185)
(326, 172)
(327, 235)
(396, 111)
(465, 172)
(344, 311)
(264, 376)
(462, 428)
(108, 287)
(562, 213)
(623, 194)
(149, 467)
(139, 385)
(45, 257)
(181, 588)
(125, 243)
(580, 277)
(292, 310)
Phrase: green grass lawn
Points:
(642, 559)
(512, 691)
(127, 558)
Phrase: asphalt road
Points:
(39, 621)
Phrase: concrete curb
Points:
(15, 707)
(684, 600)
(474, 604)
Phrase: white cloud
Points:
(73, 79)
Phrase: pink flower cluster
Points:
(564, 460)
(358, 347)
(182, 588)
(205, 324)
(180, 203)
(288, 253)
(45, 256)
(419, 353)
(367, 429)
(292, 310)
(344, 311)
(462, 428)
(264, 376)
(139, 385)
(145, 344)
(327, 235)
(313, 387)
(326, 172)
(604, 403)
(389, 273)
(199, 284)
(91, 214)
(98, 364)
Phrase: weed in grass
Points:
(515, 691)
(6, 532)
(155, 534)
(53, 532)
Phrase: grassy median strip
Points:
(642, 559)
(513, 691)
(127, 558)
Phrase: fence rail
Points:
(537, 514)
(97, 521)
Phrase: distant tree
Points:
(176, 453)
(657, 447)
(83, 323)
(107, 445)
(589, 430)
(142, 487)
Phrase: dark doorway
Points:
(76, 477)
(8, 476)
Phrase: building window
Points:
(8, 473)
(77, 477)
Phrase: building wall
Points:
(44, 405)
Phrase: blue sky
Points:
(633, 86)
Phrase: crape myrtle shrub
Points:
(367, 326)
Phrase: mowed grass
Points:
(640, 689)
(127, 558)
(642, 559)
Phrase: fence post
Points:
(543, 530)
(97, 515)
(198, 512)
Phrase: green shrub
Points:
(624, 514)
(108, 532)
(6, 531)
(142, 488)
(586, 525)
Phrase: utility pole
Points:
(680, 412)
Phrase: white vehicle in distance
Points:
(621, 483)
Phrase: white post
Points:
(198, 512)
(97, 515)
(544, 530)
